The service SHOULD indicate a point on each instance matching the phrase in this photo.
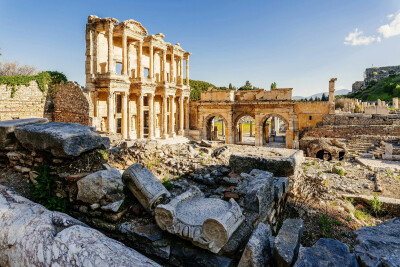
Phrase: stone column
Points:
(187, 71)
(172, 67)
(140, 116)
(215, 136)
(139, 60)
(172, 116)
(151, 62)
(110, 113)
(396, 103)
(223, 128)
(164, 69)
(332, 95)
(266, 129)
(165, 118)
(150, 98)
(110, 48)
(187, 111)
(251, 128)
(181, 117)
(124, 53)
(240, 132)
(180, 71)
(125, 115)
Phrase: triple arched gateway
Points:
(256, 117)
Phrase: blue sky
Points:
(296, 43)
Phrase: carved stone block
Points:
(206, 222)
(145, 186)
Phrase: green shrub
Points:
(103, 154)
(44, 190)
(376, 205)
(340, 172)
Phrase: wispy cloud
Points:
(357, 38)
(391, 29)
(386, 31)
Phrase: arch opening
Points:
(245, 130)
(341, 155)
(274, 129)
(324, 155)
(216, 128)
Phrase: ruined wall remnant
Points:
(28, 102)
(72, 104)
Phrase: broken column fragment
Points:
(145, 186)
(206, 222)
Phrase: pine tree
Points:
(273, 85)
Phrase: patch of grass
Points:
(326, 225)
(340, 172)
(305, 170)
(361, 215)
(376, 205)
(44, 190)
(201, 153)
(167, 183)
(103, 154)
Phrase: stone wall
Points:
(310, 113)
(357, 86)
(72, 104)
(361, 119)
(28, 102)
(379, 73)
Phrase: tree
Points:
(324, 98)
(13, 69)
(246, 86)
(311, 99)
(230, 86)
(273, 85)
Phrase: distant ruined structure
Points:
(375, 74)
(135, 80)
(267, 108)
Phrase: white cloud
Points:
(390, 16)
(391, 29)
(357, 38)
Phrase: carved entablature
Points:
(133, 28)
(206, 222)
(96, 20)
(157, 40)
(178, 51)
(186, 55)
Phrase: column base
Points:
(172, 135)
(164, 136)
(150, 138)
(181, 132)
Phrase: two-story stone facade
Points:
(135, 80)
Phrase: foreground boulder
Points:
(379, 245)
(102, 184)
(7, 129)
(60, 139)
(257, 251)
(31, 235)
(287, 242)
(326, 251)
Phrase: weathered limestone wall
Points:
(28, 102)
(361, 119)
(71, 104)
(310, 113)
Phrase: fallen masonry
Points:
(209, 215)
(31, 235)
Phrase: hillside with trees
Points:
(384, 89)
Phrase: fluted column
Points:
(164, 69)
(110, 48)
(187, 114)
(110, 111)
(151, 63)
(181, 71)
(125, 116)
(139, 60)
(187, 71)
(140, 116)
(172, 66)
(181, 116)
(124, 53)
(150, 98)
(165, 118)
(172, 116)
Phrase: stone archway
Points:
(235, 126)
(264, 132)
(207, 129)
